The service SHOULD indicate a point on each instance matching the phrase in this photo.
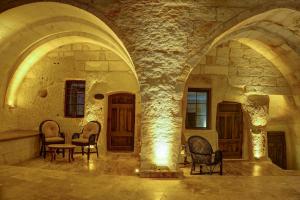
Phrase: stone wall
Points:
(229, 70)
(19, 150)
(246, 69)
(165, 40)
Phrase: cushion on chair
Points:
(50, 129)
(81, 140)
(90, 128)
(54, 139)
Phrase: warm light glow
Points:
(258, 142)
(161, 156)
(20, 74)
(162, 143)
(260, 121)
(34, 56)
(137, 170)
(91, 165)
(257, 170)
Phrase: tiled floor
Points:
(111, 164)
(112, 177)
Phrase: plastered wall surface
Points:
(284, 116)
(104, 73)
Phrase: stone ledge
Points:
(17, 134)
(161, 174)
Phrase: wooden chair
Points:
(202, 154)
(88, 136)
(50, 134)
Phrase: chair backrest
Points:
(49, 128)
(92, 127)
(200, 149)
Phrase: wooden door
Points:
(276, 148)
(230, 129)
(121, 119)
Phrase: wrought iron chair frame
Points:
(92, 140)
(43, 138)
(213, 158)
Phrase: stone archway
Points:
(272, 34)
(235, 22)
(27, 40)
(42, 37)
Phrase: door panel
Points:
(276, 148)
(230, 129)
(121, 119)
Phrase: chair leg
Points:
(41, 151)
(97, 151)
(221, 168)
(88, 153)
(193, 168)
(82, 150)
(44, 150)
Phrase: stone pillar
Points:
(159, 49)
(257, 107)
(161, 131)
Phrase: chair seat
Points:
(80, 141)
(54, 139)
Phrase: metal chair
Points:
(50, 134)
(88, 136)
(202, 154)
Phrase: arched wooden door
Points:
(120, 123)
(230, 129)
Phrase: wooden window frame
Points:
(208, 108)
(67, 94)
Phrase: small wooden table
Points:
(54, 147)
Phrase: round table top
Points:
(62, 146)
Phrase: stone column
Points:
(159, 49)
(257, 107)
(161, 131)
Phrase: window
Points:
(74, 98)
(198, 109)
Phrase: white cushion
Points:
(50, 129)
(81, 140)
(90, 128)
(54, 139)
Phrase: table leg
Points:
(72, 153)
(69, 155)
(52, 151)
